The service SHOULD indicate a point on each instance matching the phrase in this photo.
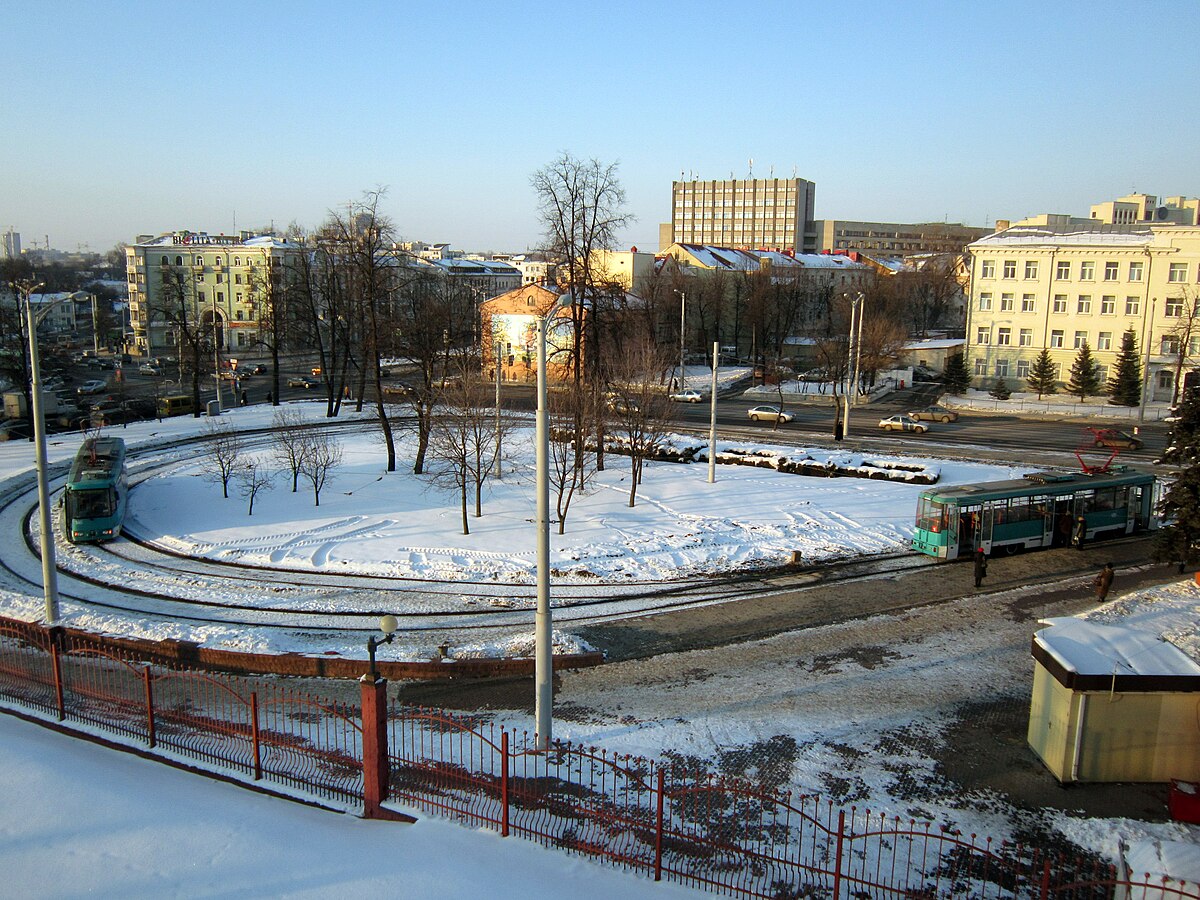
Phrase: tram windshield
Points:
(931, 515)
(91, 504)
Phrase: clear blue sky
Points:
(120, 118)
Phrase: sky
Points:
(127, 118)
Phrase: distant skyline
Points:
(127, 118)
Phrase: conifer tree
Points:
(1125, 386)
(1000, 390)
(1043, 375)
(1178, 540)
(1085, 374)
(956, 377)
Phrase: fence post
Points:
(254, 735)
(837, 861)
(149, 705)
(658, 826)
(56, 662)
(503, 784)
(374, 744)
(1045, 892)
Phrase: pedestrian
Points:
(1104, 582)
(245, 399)
(980, 566)
(1080, 532)
(270, 398)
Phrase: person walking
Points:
(980, 566)
(1080, 532)
(270, 397)
(1103, 582)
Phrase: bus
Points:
(93, 503)
(1040, 509)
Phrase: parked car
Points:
(14, 429)
(259, 370)
(621, 406)
(149, 369)
(1116, 440)
(769, 414)
(92, 386)
(903, 423)
(687, 396)
(303, 381)
(227, 375)
(934, 414)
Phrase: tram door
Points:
(971, 529)
(1064, 521)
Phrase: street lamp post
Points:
(49, 567)
(712, 416)
(682, 334)
(499, 455)
(856, 313)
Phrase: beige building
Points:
(761, 213)
(625, 267)
(1035, 288)
(838, 271)
(225, 274)
(1131, 210)
(891, 238)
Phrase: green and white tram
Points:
(1042, 509)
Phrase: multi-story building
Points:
(1055, 288)
(891, 238)
(759, 213)
(12, 244)
(1130, 210)
(224, 277)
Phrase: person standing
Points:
(980, 566)
(1103, 582)
(1080, 532)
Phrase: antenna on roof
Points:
(751, 175)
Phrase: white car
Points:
(686, 396)
(903, 423)
(92, 386)
(769, 414)
(149, 369)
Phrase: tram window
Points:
(90, 504)
(1019, 510)
(1106, 498)
(931, 516)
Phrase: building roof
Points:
(740, 260)
(1089, 648)
(1079, 235)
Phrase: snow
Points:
(1088, 648)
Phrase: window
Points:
(1062, 270)
(199, 260)
(1025, 339)
(164, 262)
(1006, 303)
(220, 296)
(178, 262)
(1169, 346)
(988, 269)
(1002, 368)
(1108, 306)
(1102, 373)
(1004, 336)
(1084, 304)
(1135, 271)
(241, 339)
(1080, 339)
(1173, 308)
(238, 315)
(1022, 368)
(1060, 303)
(1110, 271)
(1132, 305)
(1010, 268)
(1031, 269)
(237, 260)
(237, 278)
(1194, 345)
(1166, 380)
(220, 278)
(1104, 340)
(1087, 271)
(985, 300)
(1028, 304)
(1056, 338)
(982, 335)
(1177, 273)
(199, 296)
(981, 367)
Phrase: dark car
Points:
(303, 381)
(1116, 440)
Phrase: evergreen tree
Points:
(1043, 375)
(1085, 374)
(956, 377)
(1125, 386)
(1000, 390)
(1178, 540)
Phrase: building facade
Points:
(891, 238)
(224, 278)
(760, 213)
(1035, 288)
(12, 244)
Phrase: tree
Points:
(179, 308)
(321, 455)
(1178, 539)
(463, 442)
(956, 377)
(571, 468)
(288, 428)
(1125, 385)
(1000, 390)
(1182, 341)
(640, 408)
(1085, 374)
(224, 448)
(1043, 375)
(251, 479)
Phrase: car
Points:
(259, 370)
(149, 369)
(903, 423)
(621, 406)
(227, 375)
(14, 429)
(934, 414)
(99, 362)
(316, 370)
(1115, 440)
(769, 414)
(686, 396)
(815, 375)
(92, 386)
(303, 381)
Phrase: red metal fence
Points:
(659, 818)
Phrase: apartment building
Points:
(224, 276)
(1036, 287)
(892, 238)
(759, 213)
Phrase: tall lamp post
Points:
(49, 567)
(856, 314)
(543, 656)
(682, 334)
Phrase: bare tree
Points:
(639, 407)
(179, 308)
(252, 478)
(463, 442)
(1182, 341)
(224, 447)
(571, 468)
(290, 441)
(321, 455)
